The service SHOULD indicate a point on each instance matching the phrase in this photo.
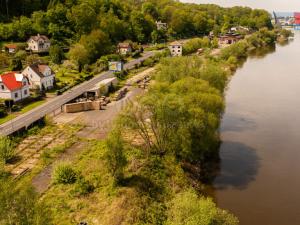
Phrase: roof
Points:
(39, 37)
(14, 46)
(39, 69)
(12, 80)
(124, 45)
(176, 43)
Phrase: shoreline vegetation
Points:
(163, 150)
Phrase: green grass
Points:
(23, 110)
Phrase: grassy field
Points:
(23, 110)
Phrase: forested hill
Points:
(65, 21)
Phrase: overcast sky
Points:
(270, 5)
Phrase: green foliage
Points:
(7, 149)
(194, 44)
(116, 160)
(64, 174)
(56, 54)
(188, 208)
(20, 205)
(82, 187)
(16, 64)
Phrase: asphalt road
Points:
(30, 117)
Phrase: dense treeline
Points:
(68, 20)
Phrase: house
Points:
(161, 26)
(38, 44)
(229, 38)
(124, 48)
(240, 29)
(40, 76)
(10, 48)
(176, 48)
(14, 86)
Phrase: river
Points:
(259, 179)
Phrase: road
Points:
(30, 117)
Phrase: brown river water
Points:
(259, 179)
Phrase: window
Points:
(178, 50)
(25, 92)
(2, 87)
(16, 95)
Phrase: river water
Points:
(259, 179)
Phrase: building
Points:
(10, 48)
(240, 29)
(38, 44)
(102, 87)
(124, 48)
(161, 26)
(176, 48)
(229, 39)
(40, 76)
(14, 86)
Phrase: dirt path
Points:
(98, 123)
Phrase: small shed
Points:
(10, 48)
(102, 87)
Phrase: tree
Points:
(79, 55)
(7, 149)
(115, 157)
(188, 208)
(16, 64)
(56, 54)
(20, 205)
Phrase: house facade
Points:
(229, 39)
(124, 48)
(14, 86)
(161, 26)
(10, 48)
(176, 48)
(38, 44)
(40, 76)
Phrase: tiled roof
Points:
(39, 69)
(14, 46)
(40, 37)
(176, 43)
(124, 45)
(10, 80)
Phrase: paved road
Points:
(30, 117)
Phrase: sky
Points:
(270, 5)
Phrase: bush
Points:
(7, 149)
(3, 113)
(148, 62)
(64, 174)
(15, 108)
(82, 187)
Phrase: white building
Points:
(176, 48)
(14, 86)
(124, 48)
(161, 26)
(40, 76)
(38, 44)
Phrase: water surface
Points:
(259, 179)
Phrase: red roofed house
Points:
(124, 48)
(39, 43)
(10, 48)
(40, 76)
(14, 86)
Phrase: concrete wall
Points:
(82, 106)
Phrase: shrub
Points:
(7, 149)
(82, 187)
(64, 174)
(3, 113)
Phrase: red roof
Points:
(10, 46)
(10, 81)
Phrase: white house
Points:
(161, 26)
(176, 48)
(124, 48)
(14, 86)
(40, 76)
(38, 44)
